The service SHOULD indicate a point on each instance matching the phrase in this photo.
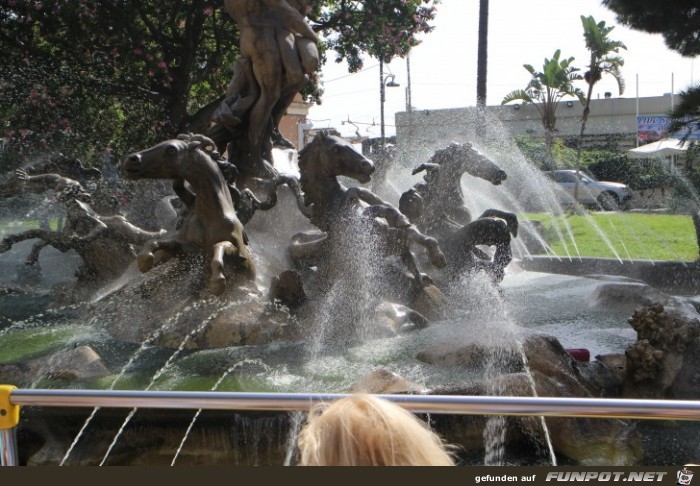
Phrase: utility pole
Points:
(409, 105)
(382, 97)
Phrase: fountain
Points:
(300, 279)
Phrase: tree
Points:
(546, 89)
(603, 60)
(76, 61)
(679, 24)
(686, 114)
(384, 29)
(89, 72)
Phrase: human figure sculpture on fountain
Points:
(68, 167)
(210, 224)
(436, 206)
(278, 54)
(300, 58)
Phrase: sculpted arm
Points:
(183, 192)
(294, 185)
(367, 196)
(44, 182)
(291, 19)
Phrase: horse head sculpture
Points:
(442, 187)
(460, 158)
(329, 156)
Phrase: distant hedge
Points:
(638, 174)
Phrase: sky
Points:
(443, 66)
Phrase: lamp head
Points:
(390, 81)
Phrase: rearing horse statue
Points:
(442, 189)
(210, 224)
(329, 205)
(436, 206)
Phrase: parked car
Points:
(591, 192)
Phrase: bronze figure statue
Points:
(278, 56)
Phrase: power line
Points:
(351, 74)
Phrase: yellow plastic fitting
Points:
(9, 413)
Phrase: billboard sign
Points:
(651, 128)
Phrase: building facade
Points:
(294, 123)
(611, 120)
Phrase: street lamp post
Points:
(384, 82)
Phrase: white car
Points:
(610, 196)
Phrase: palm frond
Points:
(517, 95)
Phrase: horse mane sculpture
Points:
(210, 224)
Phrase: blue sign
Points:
(651, 128)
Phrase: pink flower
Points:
(163, 65)
(208, 11)
(151, 73)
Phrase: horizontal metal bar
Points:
(445, 404)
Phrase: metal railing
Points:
(437, 404)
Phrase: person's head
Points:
(364, 430)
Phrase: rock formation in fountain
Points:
(663, 363)
(550, 372)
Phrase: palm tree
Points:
(481, 66)
(546, 89)
(686, 114)
(482, 54)
(603, 60)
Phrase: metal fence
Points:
(11, 399)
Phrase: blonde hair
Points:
(364, 430)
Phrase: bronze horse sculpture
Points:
(210, 224)
(442, 189)
(105, 243)
(338, 211)
(436, 206)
